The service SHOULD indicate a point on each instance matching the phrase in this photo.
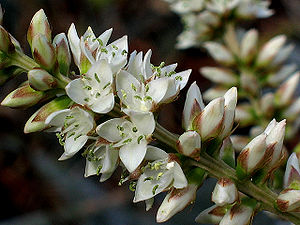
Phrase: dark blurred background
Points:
(35, 188)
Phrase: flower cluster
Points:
(206, 20)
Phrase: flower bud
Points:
(225, 192)
(41, 80)
(229, 111)
(243, 114)
(63, 54)
(266, 104)
(276, 79)
(37, 121)
(193, 106)
(39, 25)
(23, 96)
(293, 111)
(275, 140)
(210, 122)
(218, 75)
(239, 142)
(270, 50)
(284, 94)
(292, 170)
(238, 215)
(5, 41)
(214, 92)
(252, 156)
(43, 51)
(212, 215)
(175, 201)
(248, 45)
(220, 53)
(289, 200)
(249, 82)
(283, 55)
(189, 144)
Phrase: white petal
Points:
(103, 69)
(154, 153)
(75, 90)
(74, 43)
(158, 89)
(57, 118)
(104, 104)
(144, 121)
(133, 154)
(182, 78)
(109, 131)
(104, 37)
(147, 65)
(180, 180)
(135, 66)
(72, 146)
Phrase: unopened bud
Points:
(252, 156)
(293, 111)
(243, 114)
(238, 215)
(175, 201)
(23, 96)
(43, 51)
(37, 121)
(63, 54)
(220, 53)
(41, 80)
(193, 106)
(284, 94)
(5, 42)
(212, 215)
(289, 200)
(275, 140)
(248, 45)
(239, 142)
(214, 92)
(267, 104)
(39, 25)
(229, 111)
(270, 50)
(218, 75)
(249, 82)
(189, 144)
(292, 170)
(210, 122)
(225, 192)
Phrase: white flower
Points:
(101, 159)
(94, 89)
(143, 86)
(130, 136)
(90, 48)
(74, 125)
(159, 175)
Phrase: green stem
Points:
(218, 169)
(23, 61)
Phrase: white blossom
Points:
(73, 126)
(94, 89)
(159, 175)
(129, 136)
